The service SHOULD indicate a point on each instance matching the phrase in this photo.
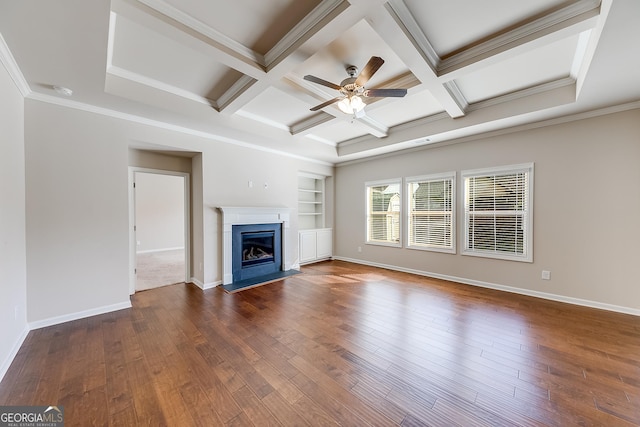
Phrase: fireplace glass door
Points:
(256, 250)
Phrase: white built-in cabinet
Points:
(315, 241)
(316, 245)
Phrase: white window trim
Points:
(400, 214)
(432, 177)
(528, 249)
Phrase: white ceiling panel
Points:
(340, 130)
(414, 106)
(290, 109)
(541, 65)
(256, 24)
(152, 55)
(453, 24)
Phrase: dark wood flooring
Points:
(341, 344)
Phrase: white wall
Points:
(159, 212)
(13, 281)
(586, 207)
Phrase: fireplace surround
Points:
(256, 250)
(257, 217)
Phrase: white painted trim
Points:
(407, 22)
(262, 119)
(302, 31)
(580, 12)
(14, 351)
(205, 286)
(10, 64)
(152, 251)
(252, 215)
(63, 102)
(195, 24)
(634, 105)
(157, 84)
(504, 288)
(523, 93)
(79, 315)
(132, 221)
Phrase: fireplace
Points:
(249, 220)
(256, 250)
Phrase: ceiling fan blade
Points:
(383, 93)
(322, 82)
(324, 104)
(369, 70)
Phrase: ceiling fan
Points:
(352, 89)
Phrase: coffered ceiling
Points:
(233, 71)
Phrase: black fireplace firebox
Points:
(257, 250)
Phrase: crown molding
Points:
(234, 91)
(156, 84)
(68, 103)
(263, 120)
(523, 93)
(311, 122)
(10, 64)
(613, 109)
(457, 95)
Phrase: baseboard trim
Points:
(152, 251)
(79, 315)
(14, 351)
(528, 292)
(205, 286)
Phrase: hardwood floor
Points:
(340, 344)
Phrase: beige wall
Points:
(77, 212)
(586, 205)
(13, 281)
(77, 203)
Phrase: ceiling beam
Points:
(413, 52)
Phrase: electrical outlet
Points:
(546, 275)
(359, 248)
(16, 310)
(200, 266)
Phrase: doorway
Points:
(160, 205)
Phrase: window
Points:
(383, 212)
(430, 213)
(498, 207)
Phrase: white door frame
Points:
(132, 222)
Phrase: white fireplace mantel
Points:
(252, 215)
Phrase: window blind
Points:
(383, 213)
(431, 213)
(497, 213)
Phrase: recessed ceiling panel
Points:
(545, 64)
(149, 54)
(290, 109)
(390, 113)
(339, 131)
(256, 24)
(453, 24)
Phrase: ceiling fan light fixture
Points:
(351, 105)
